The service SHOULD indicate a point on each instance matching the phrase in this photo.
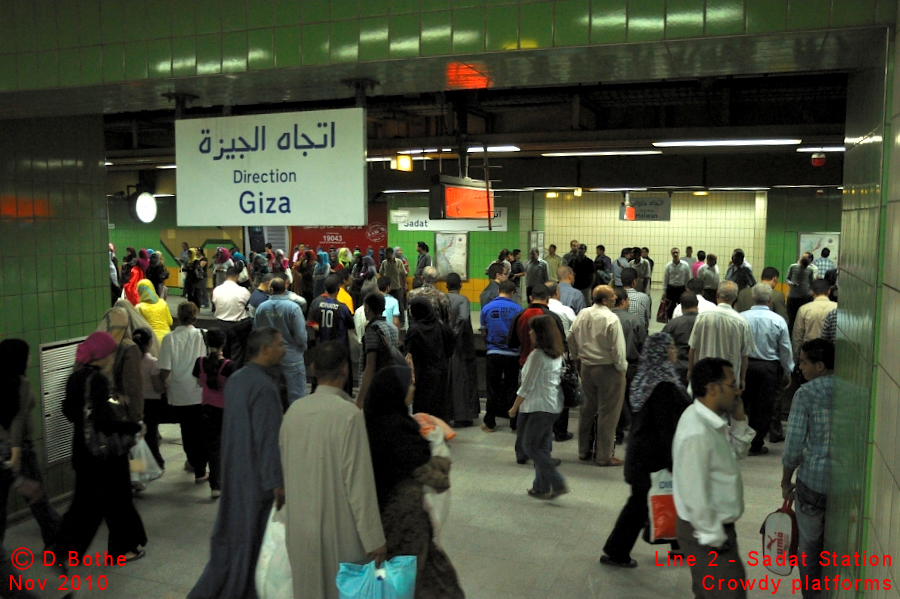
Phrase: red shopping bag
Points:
(780, 539)
(661, 502)
(662, 314)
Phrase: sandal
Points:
(134, 555)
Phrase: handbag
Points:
(661, 503)
(395, 579)
(662, 314)
(274, 578)
(99, 443)
(570, 382)
(780, 539)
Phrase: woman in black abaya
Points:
(431, 343)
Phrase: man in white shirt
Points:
(709, 277)
(707, 486)
(722, 333)
(565, 313)
(675, 278)
(230, 304)
(597, 345)
(177, 354)
(695, 286)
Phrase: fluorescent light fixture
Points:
(619, 189)
(379, 159)
(107, 163)
(726, 143)
(403, 162)
(738, 188)
(494, 149)
(167, 166)
(577, 193)
(163, 195)
(603, 153)
(701, 193)
(552, 195)
(822, 149)
(405, 191)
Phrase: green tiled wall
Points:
(483, 245)
(53, 231)
(67, 43)
(790, 212)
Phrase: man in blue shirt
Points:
(568, 295)
(770, 361)
(807, 450)
(502, 367)
(280, 312)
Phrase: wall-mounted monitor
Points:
(457, 197)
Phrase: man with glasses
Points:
(706, 480)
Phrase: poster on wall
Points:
(373, 235)
(451, 252)
(816, 242)
(272, 169)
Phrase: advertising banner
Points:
(298, 168)
(373, 235)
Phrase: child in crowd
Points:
(212, 372)
(154, 404)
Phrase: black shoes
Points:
(608, 561)
(761, 451)
(561, 438)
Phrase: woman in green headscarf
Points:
(154, 310)
(345, 258)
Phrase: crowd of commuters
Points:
(350, 472)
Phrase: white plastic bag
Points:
(273, 570)
(437, 504)
(395, 579)
(143, 465)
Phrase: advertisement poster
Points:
(373, 235)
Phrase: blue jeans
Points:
(811, 525)
(295, 377)
(537, 443)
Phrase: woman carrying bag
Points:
(657, 401)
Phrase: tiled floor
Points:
(504, 544)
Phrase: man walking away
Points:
(331, 507)
(251, 471)
(770, 361)
(597, 345)
(807, 450)
(709, 493)
(823, 264)
(502, 363)
(680, 328)
(287, 318)
(568, 295)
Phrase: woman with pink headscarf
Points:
(223, 262)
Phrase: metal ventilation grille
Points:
(57, 361)
(279, 238)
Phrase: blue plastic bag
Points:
(395, 579)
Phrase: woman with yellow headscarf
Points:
(154, 310)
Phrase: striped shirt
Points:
(639, 305)
(824, 265)
(807, 444)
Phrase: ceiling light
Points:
(577, 193)
(107, 163)
(823, 149)
(552, 195)
(405, 191)
(619, 189)
(603, 153)
(142, 207)
(727, 143)
(403, 162)
(701, 193)
(494, 149)
(167, 166)
(163, 195)
(378, 159)
(738, 188)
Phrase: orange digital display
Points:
(462, 75)
(465, 202)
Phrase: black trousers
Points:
(759, 397)
(211, 420)
(502, 374)
(190, 420)
(673, 294)
(102, 492)
(793, 306)
(631, 520)
(155, 413)
(625, 416)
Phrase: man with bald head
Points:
(568, 295)
(597, 345)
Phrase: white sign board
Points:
(418, 221)
(399, 216)
(649, 208)
(297, 168)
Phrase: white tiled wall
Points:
(718, 223)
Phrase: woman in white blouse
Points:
(540, 400)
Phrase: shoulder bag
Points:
(102, 444)
(570, 381)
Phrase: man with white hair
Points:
(770, 361)
(722, 333)
(439, 300)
